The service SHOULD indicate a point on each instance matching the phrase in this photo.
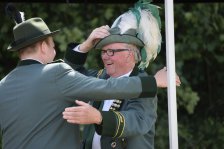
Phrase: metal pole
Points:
(170, 56)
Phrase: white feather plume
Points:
(127, 21)
(22, 16)
(148, 31)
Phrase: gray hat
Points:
(130, 37)
(29, 32)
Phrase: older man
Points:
(121, 124)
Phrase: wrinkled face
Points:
(116, 61)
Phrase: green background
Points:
(199, 51)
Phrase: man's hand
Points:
(161, 78)
(95, 36)
(82, 114)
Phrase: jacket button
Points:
(113, 144)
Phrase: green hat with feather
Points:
(139, 26)
(26, 32)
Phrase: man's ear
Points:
(43, 47)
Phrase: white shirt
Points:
(106, 106)
(77, 49)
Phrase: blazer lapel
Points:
(117, 103)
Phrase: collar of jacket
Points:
(117, 104)
(135, 71)
(27, 62)
(103, 75)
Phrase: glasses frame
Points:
(110, 52)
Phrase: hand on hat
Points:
(96, 35)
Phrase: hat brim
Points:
(119, 38)
(15, 47)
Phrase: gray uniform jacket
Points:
(33, 97)
(129, 124)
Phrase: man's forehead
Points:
(114, 45)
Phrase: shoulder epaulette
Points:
(57, 61)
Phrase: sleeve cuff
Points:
(73, 56)
(108, 125)
(149, 87)
(77, 49)
(112, 125)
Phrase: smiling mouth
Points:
(108, 64)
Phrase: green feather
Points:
(145, 4)
(137, 14)
(143, 63)
(143, 54)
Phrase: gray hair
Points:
(136, 51)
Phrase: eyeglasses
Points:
(110, 52)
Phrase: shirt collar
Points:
(28, 62)
(126, 75)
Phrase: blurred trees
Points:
(199, 47)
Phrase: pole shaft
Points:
(170, 58)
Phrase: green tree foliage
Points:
(199, 47)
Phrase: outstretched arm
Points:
(86, 114)
(138, 118)
(82, 114)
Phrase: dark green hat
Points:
(130, 37)
(29, 32)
